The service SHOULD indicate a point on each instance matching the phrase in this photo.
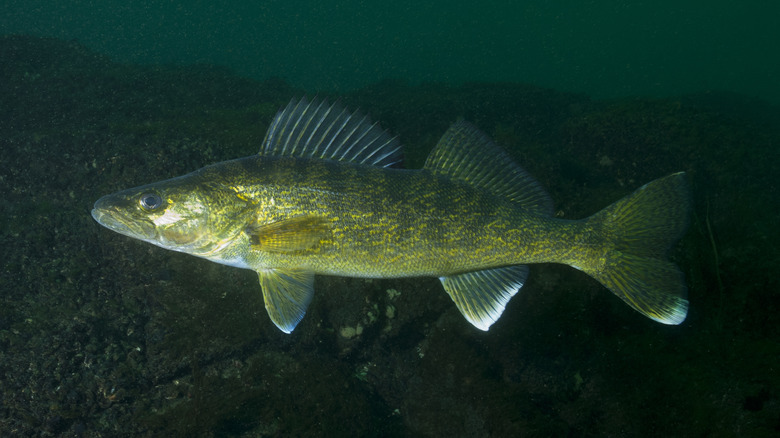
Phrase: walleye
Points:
(325, 196)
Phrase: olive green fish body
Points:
(384, 222)
(323, 197)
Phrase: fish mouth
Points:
(108, 214)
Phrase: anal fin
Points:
(481, 296)
(287, 294)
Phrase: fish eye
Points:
(150, 201)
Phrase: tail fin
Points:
(640, 229)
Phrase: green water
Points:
(101, 335)
(604, 49)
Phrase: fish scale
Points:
(324, 196)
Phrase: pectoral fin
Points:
(481, 296)
(287, 294)
(294, 234)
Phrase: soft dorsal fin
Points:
(465, 153)
(317, 130)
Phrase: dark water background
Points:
(101, 335)
(604, 49)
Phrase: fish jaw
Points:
(111, 212)
(178, 215)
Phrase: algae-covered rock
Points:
(101, 335)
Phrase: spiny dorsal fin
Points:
(317, 130)
(466, 154)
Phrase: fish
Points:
(327, 195)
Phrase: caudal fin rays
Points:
(639, 230)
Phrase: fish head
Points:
(173, 214)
